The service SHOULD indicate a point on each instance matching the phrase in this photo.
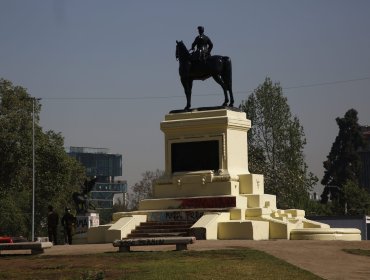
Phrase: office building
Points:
(99, 163)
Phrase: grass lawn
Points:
(217, 264)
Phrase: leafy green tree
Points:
(276, 141)
(57, 175)
(343, 164)
(316, 208)
(13, 220)
(144, 189)
(357, 200)
(15, 135)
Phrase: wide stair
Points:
(161, 229)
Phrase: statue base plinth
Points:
(84, 222)
(207, 184)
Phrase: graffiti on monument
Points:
(142, 242)
(84, 222)
(173, 216)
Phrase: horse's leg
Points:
(226, 76)
(231, 98)
(219, 80)
(187, 84)
(190, 90)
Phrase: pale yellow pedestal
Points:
(224, 201)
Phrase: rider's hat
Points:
(200, 28)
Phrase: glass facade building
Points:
(98, 162)
(104, 166)
(102, 194)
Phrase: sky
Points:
(107, 75)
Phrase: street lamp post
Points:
(33, 169)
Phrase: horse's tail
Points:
(227, 72)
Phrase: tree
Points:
(144, 189)
(57, 175)
(343, 164)
(15, 135)
(357, 200)
(276, 141)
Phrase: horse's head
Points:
(181, 50)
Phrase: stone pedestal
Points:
(83, 224)
(212, 140)
(207, 183)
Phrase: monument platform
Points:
(207, 182)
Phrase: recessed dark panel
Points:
(195, 156)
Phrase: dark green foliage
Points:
(315, 208)
(357, 200)
(343, 164)
(57, 175)
(15, 135)
(276, 141)
(13, 220)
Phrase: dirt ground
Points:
(323, 258)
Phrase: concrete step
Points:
(165, 225)
(179, 222)
(161, 229)
(156, 234)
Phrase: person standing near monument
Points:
(68, 222)
(53, 221)
(203, 43)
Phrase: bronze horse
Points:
(216, 66)
(81, 199)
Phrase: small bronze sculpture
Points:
(81, 199)
(216, 66)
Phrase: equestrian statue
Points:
(201, 65)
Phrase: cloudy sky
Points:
(107, 74)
